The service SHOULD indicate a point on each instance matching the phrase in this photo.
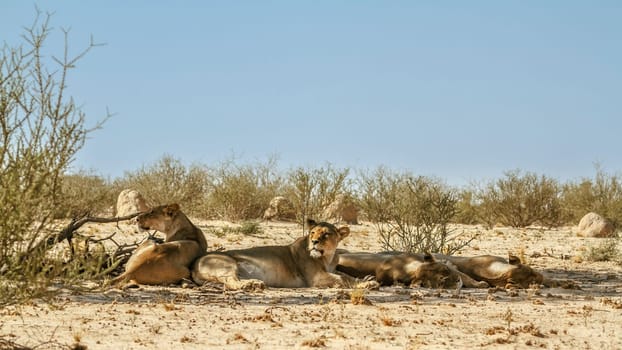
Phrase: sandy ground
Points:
(390, 318)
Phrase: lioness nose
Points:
(315, 241)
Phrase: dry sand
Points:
(393, 318)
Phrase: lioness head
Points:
(159, 218)
(522, 275)
(436, 274)
(324, 238)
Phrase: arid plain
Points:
(587, 316)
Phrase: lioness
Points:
(407, 268)
(308, 262)
(168, 262)
(495, 270)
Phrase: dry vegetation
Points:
(390, 318)
(41, 131)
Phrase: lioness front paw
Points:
(369, 278)
(252, 285)
(371, 285)
(481, 284)
(187, 283)
(132, 284)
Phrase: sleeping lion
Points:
(405, 268)
(495, 270)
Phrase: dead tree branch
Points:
(68, 231)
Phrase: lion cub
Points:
(307, 262)
(168, 262)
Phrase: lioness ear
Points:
(513, 259)
(343, 232)
(311, 223)
(171, 209)
(427, 257)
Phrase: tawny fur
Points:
(406, 268)
(308, 262)
(168, 262)
(496, 270)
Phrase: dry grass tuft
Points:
(170, 307)
(315, 343)
(359, 297)
(614, 303)
(186, 339)
(389, 322)
(238, 337)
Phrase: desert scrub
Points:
(411, 213)
(242, 192)
(607, 250)
(602, 195)
(466, 208)
(41, 129)
(520, 200)
(168, 180)
(312, 189)
(247, 228)
(250, 228)
(84, 193)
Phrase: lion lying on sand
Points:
(309, 261)
(406, 268)
(169, 262)
(495, 270)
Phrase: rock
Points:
(342, 209)
(280, 208)
(594, 225)
(130, 202)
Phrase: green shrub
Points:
(520, 200)
(411, 213)
(466, 208)
(607, 250)
(311, 189)
(169, 181)
(242, 192)
(84, 194)
(247, 228)
(250, 228)
(41, 129)
(602, 195)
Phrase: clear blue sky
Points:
(461, 90)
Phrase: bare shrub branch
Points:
(311, 189)
(168, 181)
(242, 192)
(41, 129)
(520, 200)
(602, 195)
(411, 213)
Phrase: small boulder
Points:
(594, 225)
(130, 202)
(280, 208)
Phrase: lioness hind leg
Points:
(467, 281)
(124, 281)
(343, 280)
(121, 279)
(223, 269)
(371, 285)
(157, 274)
